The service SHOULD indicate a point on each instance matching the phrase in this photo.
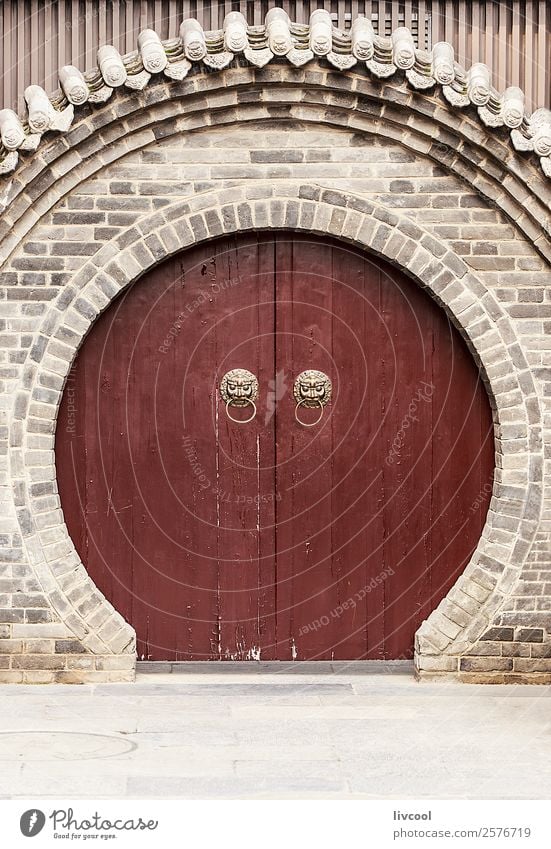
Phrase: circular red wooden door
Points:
(270, 539)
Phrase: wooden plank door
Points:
(376, 516)
(170, 506)
(269, 539)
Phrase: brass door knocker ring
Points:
(239, 388)
(308, 424)
(311, 389)
(240, 421)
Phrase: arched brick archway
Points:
(449, 632)
(353, 103)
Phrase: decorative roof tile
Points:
(278, 37)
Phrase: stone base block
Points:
(484, 677)
(68, 669)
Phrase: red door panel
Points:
(269, 539)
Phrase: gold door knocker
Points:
(312, 389)
(239, 388)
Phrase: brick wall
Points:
(151, 173)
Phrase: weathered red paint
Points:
(218, 540)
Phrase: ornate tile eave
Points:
(259, 45)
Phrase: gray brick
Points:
(503, 634)
(486, 664)
(402, 186)
(37, 661)
(69, 647)
(276, 156)
(529, 635)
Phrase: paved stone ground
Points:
(334, 732)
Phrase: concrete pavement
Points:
(335, 731)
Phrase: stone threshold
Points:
(278, 667)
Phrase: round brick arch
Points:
(353, 102)
(452, 628)
(424, 123)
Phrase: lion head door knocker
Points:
(312, 389)
(239, 388)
